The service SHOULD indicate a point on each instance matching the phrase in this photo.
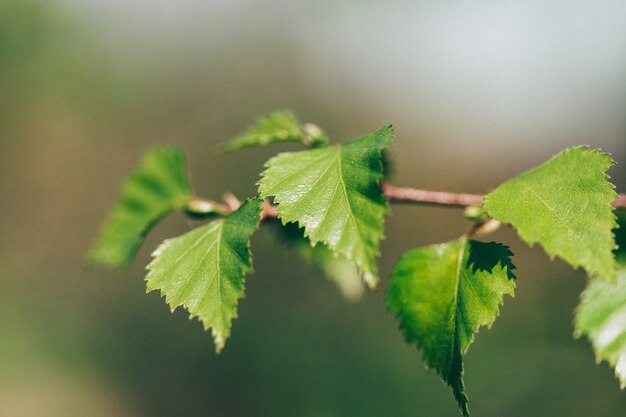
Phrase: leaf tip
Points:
(386, 133)
(371, 280)
(218, 340)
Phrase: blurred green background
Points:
(477, 94)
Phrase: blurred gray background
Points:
(477, 92)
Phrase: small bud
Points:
(199, 207)
(314, 136)
(488, 227)
(474, 212)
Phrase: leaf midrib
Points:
(571, 231)
(459, 267)
(176, 262)
(312, 186)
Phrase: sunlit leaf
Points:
(203, 270)
(334, 193)
(565, 205)
(280, 126)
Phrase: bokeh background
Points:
(477, 91)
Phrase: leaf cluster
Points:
(331, 209)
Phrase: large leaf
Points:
(334, 193)
(338, 270)
(442, 294)
(565, 205)
(280, 126)
(157, 187)
(203, 270)
(602, 313)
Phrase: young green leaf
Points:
(157, 187)
(442, 294)
(335, 194)
(280, 126)
(565, 205)
(338, 270)
(203, 270)
(601, 315)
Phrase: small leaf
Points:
(601, 315)
(280, 126)
(565, 205)
(442, 294)
(338, 270)
(203, 270)
(335, 194)
(157, 187)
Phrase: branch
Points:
(407, 195)
(394, 193)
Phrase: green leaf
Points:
(158, 186)
(280, 126)
(203, 270)
(565, 205)
(335, 194)
(337, 269)
(601, 315)
(442, 294)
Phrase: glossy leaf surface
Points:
(335, 194)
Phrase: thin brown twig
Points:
(268, 211)
(408, 195)
(399, 195)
